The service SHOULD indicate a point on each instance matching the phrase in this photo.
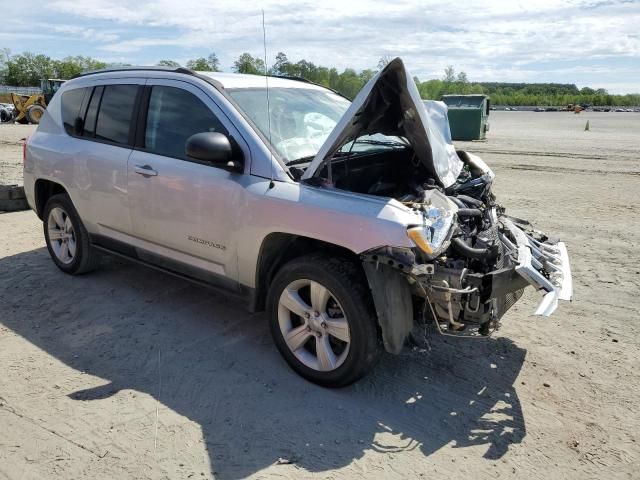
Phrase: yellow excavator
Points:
(30, 108)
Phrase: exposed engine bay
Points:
(472, 261)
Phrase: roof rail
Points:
(184, 70)
(293, 77)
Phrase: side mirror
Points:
(214, 148)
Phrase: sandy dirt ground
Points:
(128, 373)
(11, 136)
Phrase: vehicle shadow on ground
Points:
(205, 358)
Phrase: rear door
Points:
(182, 211)
(103, 142)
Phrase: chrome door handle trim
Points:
(145, 170)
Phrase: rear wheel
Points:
(67, 239)
(322, 320)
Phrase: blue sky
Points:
(589, 42)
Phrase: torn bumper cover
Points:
(392, 299)
(534, 258)
(463, 301)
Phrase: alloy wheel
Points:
(62, 236)
(313, 325)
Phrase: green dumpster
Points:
(468, 116)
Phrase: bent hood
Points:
(390, 104)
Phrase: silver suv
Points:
(351, 223)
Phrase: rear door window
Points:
(71, 105)
(173, 116)
(116, 111)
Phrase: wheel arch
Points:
(279, 248)
(43, 190)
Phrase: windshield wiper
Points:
(308, 158)
(384, 143)
(341, 153)
(300, 160)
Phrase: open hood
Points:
(390, 104)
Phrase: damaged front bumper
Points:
(536, 258)
(462, 301)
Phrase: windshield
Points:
(301, 119)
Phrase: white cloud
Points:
(136, 44)
(508, 40)
(89, 34)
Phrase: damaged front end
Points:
(471, 263)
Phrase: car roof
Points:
(225, 80)
(243, 80)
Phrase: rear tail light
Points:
(24, 149)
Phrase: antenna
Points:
(266, 79)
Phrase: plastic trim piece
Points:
(532, 257)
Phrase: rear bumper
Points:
(29, 188)
(543, 265)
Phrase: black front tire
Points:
(348, 285)
(86, 258)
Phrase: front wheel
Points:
(322, 320)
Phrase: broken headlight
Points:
(433, 236)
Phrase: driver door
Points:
(182, 210)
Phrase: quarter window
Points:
(116, 110)
(71, 104)
(92, 113)
(173, 116)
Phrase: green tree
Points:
(449, 74)
(246, 63)
(322, 76)
(27, 69)
(198, 64)
(202, 64)
(349, 83)
(366, 75)
(213, 62)
(334, 76)
(281, 64)
(68, 67)
(168, 63)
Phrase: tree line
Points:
(27, 69)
